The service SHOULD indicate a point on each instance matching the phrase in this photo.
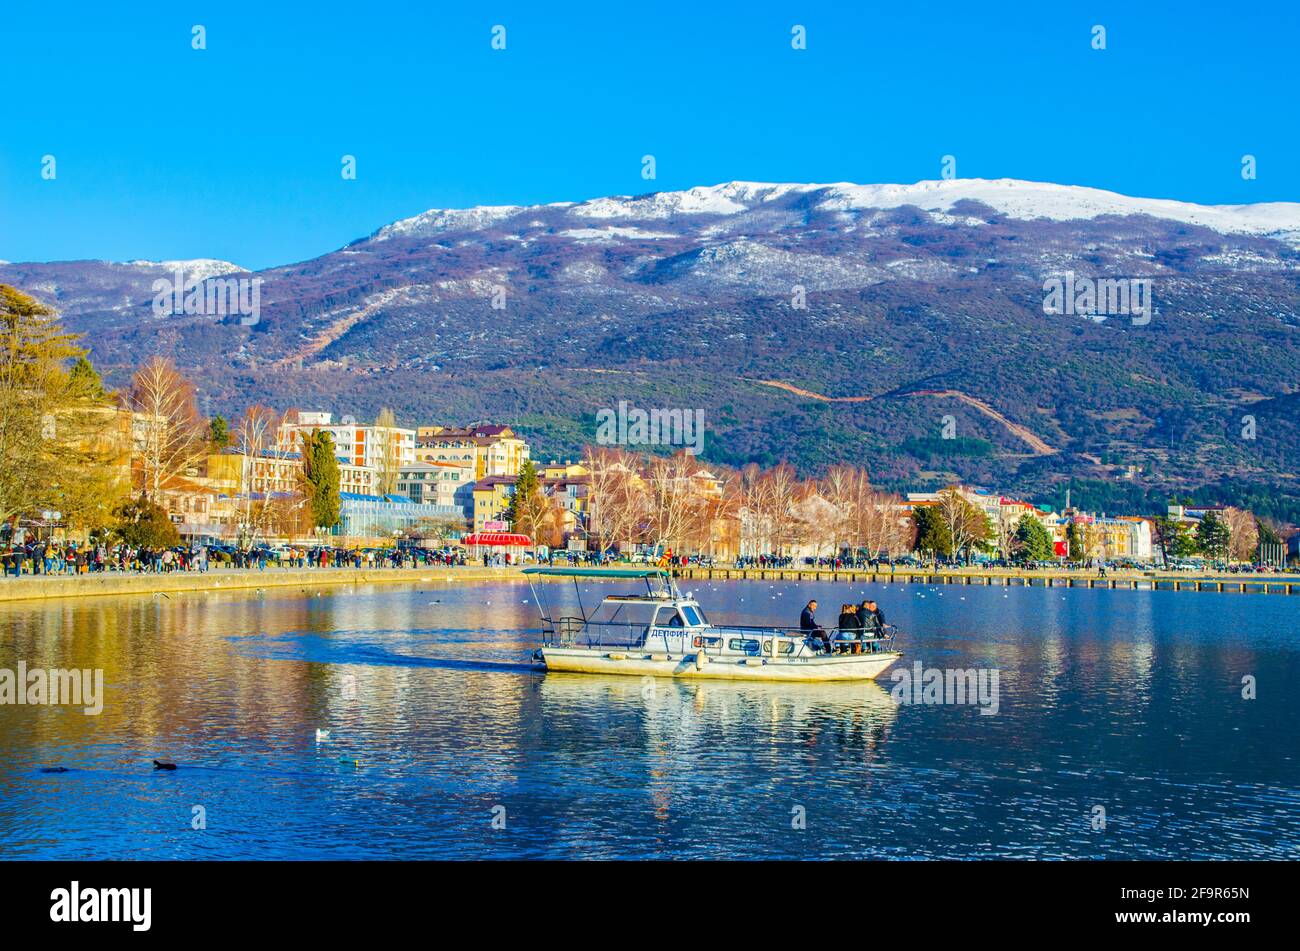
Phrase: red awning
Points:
(497, 540)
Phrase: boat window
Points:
(692, 616)
(668, 617)
(636, 614)
(739, 644)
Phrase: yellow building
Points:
(568, 484)
(491, 499)
(493, 450)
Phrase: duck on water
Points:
(663, 633)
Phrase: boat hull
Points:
(814, 669)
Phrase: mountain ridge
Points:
(499, 312)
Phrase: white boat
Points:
(664, 633)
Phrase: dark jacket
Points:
(807, 622)
(849, 621)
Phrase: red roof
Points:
(497, 540)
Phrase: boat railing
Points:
(580, 632)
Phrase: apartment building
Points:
(494, 450)
(383, 449)
(446, 484)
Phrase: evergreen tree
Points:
(1213, 536)
(1174, 538)
(321, 478)
(144, 524)
(51, 417)
(86, 379)
(1034, 542)
(932, 533)
(219, 433)
(527, 511)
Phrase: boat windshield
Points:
(694, 615)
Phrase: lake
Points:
(445, 742)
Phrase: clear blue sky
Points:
(234, 151)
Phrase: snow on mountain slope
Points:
(1017, 199)
(727, 199)
(437, 220)
(614, 233)
(196, 269)
(1028, 200)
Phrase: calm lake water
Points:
(1131, 701)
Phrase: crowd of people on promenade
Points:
(39, 558)
(765, 561)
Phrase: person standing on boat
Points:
(811, 629)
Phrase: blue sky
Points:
(234, 152)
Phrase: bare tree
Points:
(389, 460)
(779, 499)
(672, 499)
(841, 487)
(171, 432)
(967, 525)
(1003, 533)
(1243, 531)
(884, 527)
(715, 524)
(816, 521)
(615, 495)
(259, 441)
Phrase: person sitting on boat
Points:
(867, 620)
(811, 629)
(873, 619)
(850, 626)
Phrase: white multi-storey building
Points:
(382, 448)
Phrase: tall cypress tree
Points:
(321, 478)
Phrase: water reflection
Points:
(437, 715)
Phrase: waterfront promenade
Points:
(111, 583)
(1244, 583)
